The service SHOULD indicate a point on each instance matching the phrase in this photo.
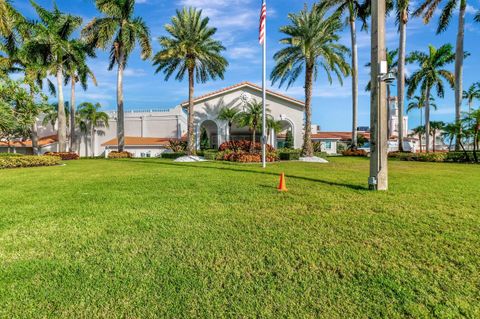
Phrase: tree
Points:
(472, 94)
(78, 72)
(419, 131)
(92, 117)
(450, 132)
(50, 114)
(402, 12)
(228, 115)
(51, 44)
(472, 123)
(430, 75)
(252, 117)
(121, 31)
(418, 103)
(354, 10)
(190, 49)
(289, 140)
(311, 44)
(204, 140)
(435, 127)
(427, 9)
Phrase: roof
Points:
(141, 141)
(338, 135)
(42, 141)
(245, 84)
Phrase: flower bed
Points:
(115, 154)
(28, 161)
(245, 157)
(65, 156)
(359, 153)
(243, 145)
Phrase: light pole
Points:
(378, 179)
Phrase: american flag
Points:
(263, 20)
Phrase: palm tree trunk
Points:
(434, 147)
(307, 137)
(401, 77)
(459, 65)
(427, 121)
(353, 34)
(92, 140)
(254, 138)
(62, 121)
(34, 133)
(120, 110)
(191, 91)
(73, 138)
(420, 138)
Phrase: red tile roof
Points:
(43, 141)
(338, 135)
(246, 83)
(141, 141)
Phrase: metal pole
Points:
(378, 116)
(264, 97)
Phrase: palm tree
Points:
(418, 103)
(51, 45)
(419, 131)
(430, 76)
(92, 117)
(121, 31)
(50, 112)
(450, 132)
(190, 49)
(252, 117)
(403, 12)
(311, 44)
(472, 122)
(354, 10)
(435, 127)
(427, 9)
(228, 115)
(78, 72)
(472, 94)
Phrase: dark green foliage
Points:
(289, 140)
(289, 155)
(210, 155)
(204, 140)
(173, 155)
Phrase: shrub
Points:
(350, 152)
(245, 157)
(65, 156)
(124, 154)
(289, 140)
(289, 154)
(173, 155)
(243, 145)
(177, 146)
(460, 157)
(28, 161)
(10, 154)
(419, 157)
(210, 154)
(320, 154)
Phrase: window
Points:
(328, 145)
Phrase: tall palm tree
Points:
(78, 72)
(419, 131)
(450, 132)
(252, 117)
(430, 76)
(427, 9)
(435, 127)
(354, 10)
(473, 121)
(190, 49)
(50, 112)
(121, 31)
(51, 44)
(311, 45)
(92, 116)
(418, 103)
(471, 95)
(228, 115)
(403, 13)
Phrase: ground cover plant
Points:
(153, 238)
(19, 161)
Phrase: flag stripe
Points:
(263, 20)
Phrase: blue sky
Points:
(237, 23)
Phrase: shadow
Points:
(235, 167)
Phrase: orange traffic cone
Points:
(282, 187)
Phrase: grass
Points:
(153, 238)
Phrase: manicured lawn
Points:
(151, 238)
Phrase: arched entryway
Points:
(208, 135)
(285, 135)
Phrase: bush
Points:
(173, 155)
(28, 161)
(289, 154)
(350, 152)
(65, 156)
(124, 154)
(419, 157)
(177, 146)
(210, 155)
(320, 154)
(10, 154)
(460, 157)
(243, 145)
(245, 157)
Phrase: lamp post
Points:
(378, 179)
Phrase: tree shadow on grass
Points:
(239, 169)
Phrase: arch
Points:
(213, 133)
(287, 125)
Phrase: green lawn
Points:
(153, 238)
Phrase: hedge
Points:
(65, 156)
(289, 156)
(173, 155)
(115, 154)
(10, 155)
(28, 161)
(419, 157)
(210, 155)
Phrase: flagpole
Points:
(264, 95)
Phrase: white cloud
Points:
(244, 52)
